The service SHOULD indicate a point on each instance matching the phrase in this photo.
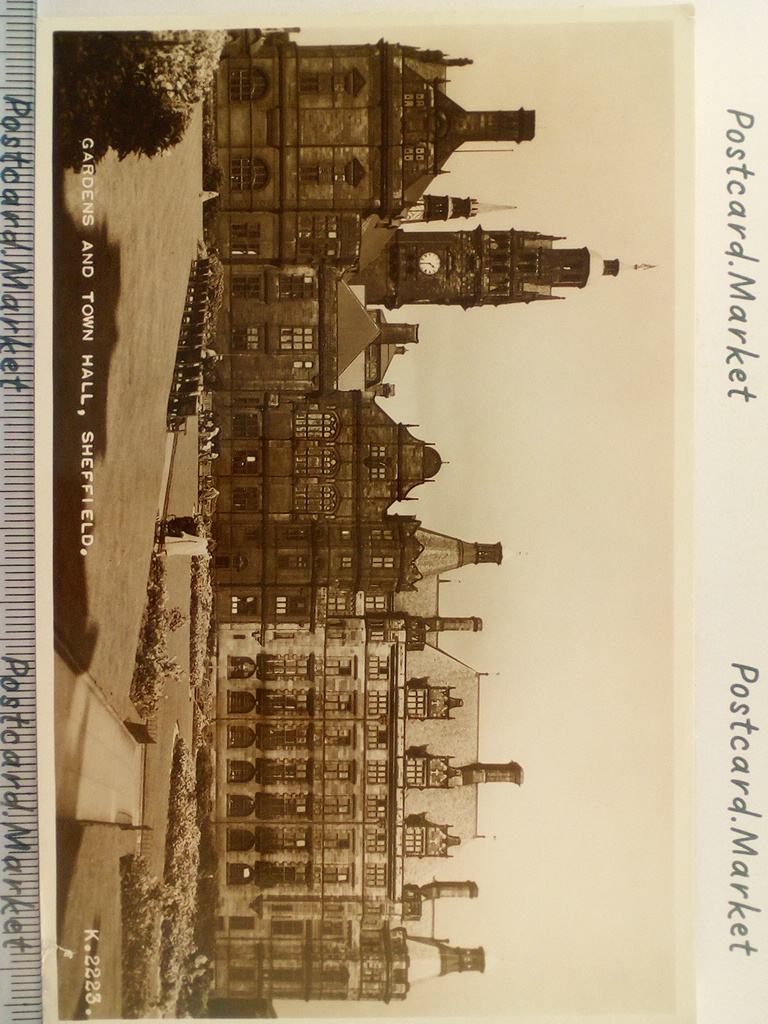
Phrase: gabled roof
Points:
(356, 327)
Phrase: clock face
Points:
(429, 263)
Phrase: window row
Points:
(269, 806)
(271, 666)
(342, 602)
(273, 772)
(271, 875)
(287, 286)
(303, 702)
(315, 173)
(309, 496)
(291, 736)
(269, 839)
(252, 338)
(317, 82)
(247, 605)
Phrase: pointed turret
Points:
(455, 126)
(441, 553)
(472, 774)
(433, 958)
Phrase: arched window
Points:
(239, 806)
(239, 874)
(240, 839)
(247, 84)
(317, 462)
(240, 702)
(240, 736)
(240, 771)
(319, 498)
(248, 174)
(316, 424)
(240, 668)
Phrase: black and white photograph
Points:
(372, 362)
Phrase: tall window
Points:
(415, 841)
(416, 771)
(240, 667)
(246, 499)
(291, 560)
(282, 805)
(377, 462)
(248, 339)
(382, 562)
(240, 736)
(245, 239)
(378, 704)
(310, 174)
(415, 154)
(239, 805)
(376, 773)
(336, 736)
(337, 839)
(375, 807)
(240, 839)
(240, 702)
(378, 668)
(284, 666)
(240, 771)
(247, 84)
(309, 82)
(311, 497)
(243, 604)
(278, 772)
(246, 425)
(339, 666)
(297, 339)
(333, 874)
(377, 737)
(297, 604)
(339, 771)
(286, 737)
(340, 703)
(316, 424)
(248, 174)
(245, 462)
(288, 928)
(317, 462)
(337, 806)
(375, 840)
(248, 286)
(295, 286)
(286, 702)
(376, 875)
(340, 602)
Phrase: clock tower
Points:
(475, 268)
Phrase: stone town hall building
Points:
(347, 749)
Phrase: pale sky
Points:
(557, 423)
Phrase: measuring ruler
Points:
(20, 955)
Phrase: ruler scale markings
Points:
(20, 982)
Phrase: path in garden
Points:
(149, 220)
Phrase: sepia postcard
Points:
(368, 418)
